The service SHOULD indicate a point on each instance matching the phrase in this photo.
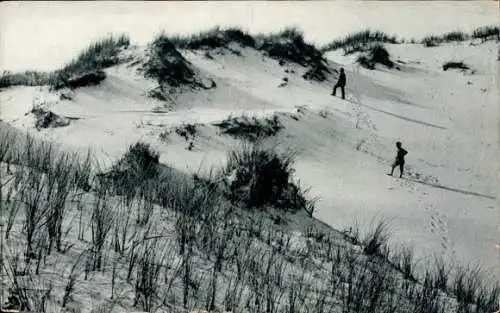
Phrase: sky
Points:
(43, 35)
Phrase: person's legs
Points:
(393, 166)
(401, 166)
(342, 88)
(334, 90)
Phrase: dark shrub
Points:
(214, 38)
(431, 41)
(91, 78)
(378, 54)
(376, 240)
(237, 35)
(85, 70)
(250, 128)
(487, 33)
(138, 165)
(142, 158)
(166, 64)
(89, 64)
(157, 93)
(285, 46)
(455, 36)
(316, 72)
(46, 119)
(186, 131)
(360, 41)
(454, 64)
(28, 78)
(262, 177)
(289, 46)
(366, 62)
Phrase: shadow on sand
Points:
(403, 117)
(465, 192)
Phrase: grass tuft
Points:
(289, 46)
(166, 64)
(454, 36)
(378, 54)
(261, 177)
(455, 65)
(360, 41)
(86, 69)
(214, 38)
(137, 166)
(250, 128)
(487, 33)
(376, 240)
(28, 78)
(46, 118)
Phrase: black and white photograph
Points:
(249, 156)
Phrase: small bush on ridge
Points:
(166, 64)
(101, 54)
(250, 128)
(360, 41)
(137, 166)
(28, 78)
(263, 177)
(289, 45)
(84, 70)
(486, 33)
(214, 38)
(455, 64)
(378, 54)
(46, 118)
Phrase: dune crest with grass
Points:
(215, 171)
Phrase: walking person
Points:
(340, 83)
(400, 160)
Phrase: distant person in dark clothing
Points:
(340, 83)
(400, 159)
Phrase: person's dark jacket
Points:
(400, 158)
(341, 81)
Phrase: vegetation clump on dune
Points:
(170, 69)
(289, 46)
(360, 41)
(484, 33)
(285, 46)
(87, 68)
(138, 165)
(27, 78)
(214, 38)
(167, 65)
(45, 118)
(455, 65)
(250, 128)
(84, 70)
(377, 55)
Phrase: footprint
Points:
(433, 225)
(439, 227)
(441, 222)
(445, 243)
